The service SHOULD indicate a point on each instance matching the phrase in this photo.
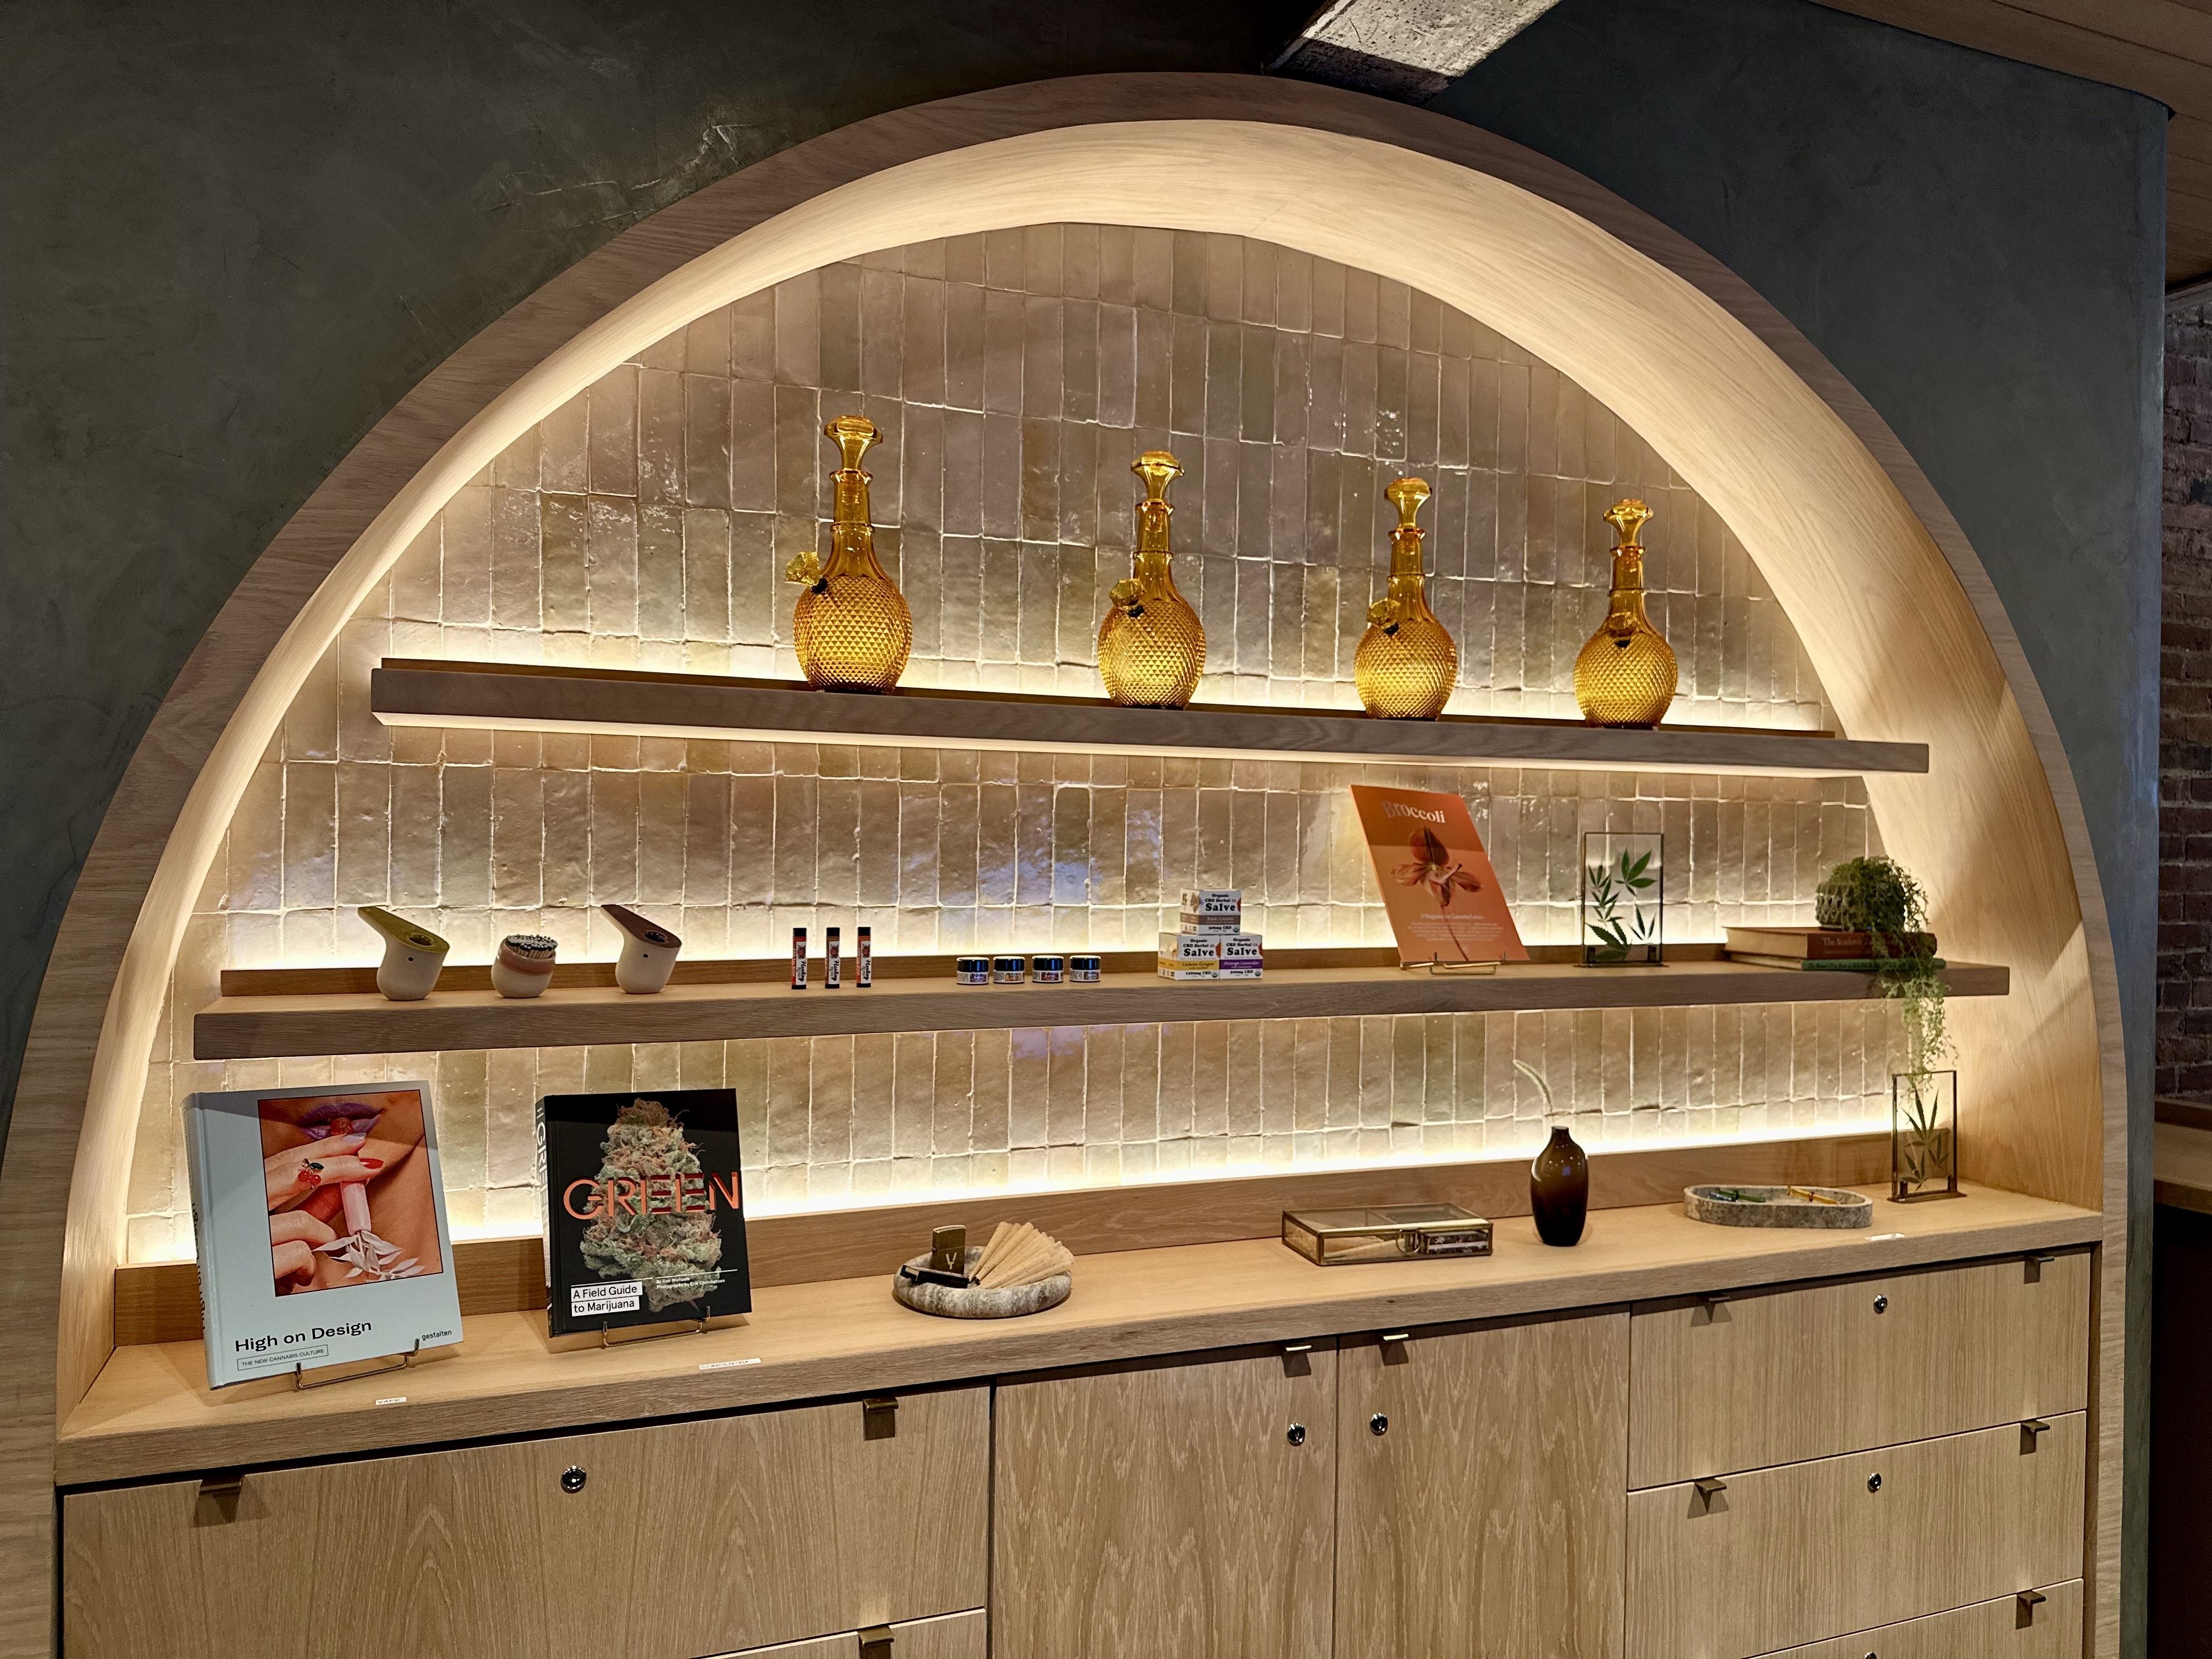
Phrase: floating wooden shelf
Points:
(150, 1412)
(356, 1023)
(530, 698)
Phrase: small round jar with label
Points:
(971, 971)
(1085, 970)
(1009, 970)
(1048, 970)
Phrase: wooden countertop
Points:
(151, 1413)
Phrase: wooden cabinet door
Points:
(2051, 1629)
(1782, 1376)
(1484, 1520)
(682, 1540)
(1787, 1556)
(1182, 1509)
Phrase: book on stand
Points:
(644, 1219)
(320, 1220)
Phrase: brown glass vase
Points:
(1558, 1189)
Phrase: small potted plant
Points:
(1878, 896)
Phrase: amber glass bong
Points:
(1151, 646)
(1625, 676)
(851, 627)
(1407, 662)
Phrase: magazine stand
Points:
(399, 1363)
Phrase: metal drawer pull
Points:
(1394, 1346)
(1881, 1304)
(1873, 1482)
(1378, 1423)
(2025, 1605)
(879, 1420)
(222, 1486)
(572, 1479)
(876, 1642)
(1710, 1488)
(1295, 1434)
(2028, 1432)
(1298, 1348)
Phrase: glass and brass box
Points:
(1385, 1232)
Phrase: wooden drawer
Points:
(684, 1539)
(1988, 1630)
(1787, 1556)
(952, 1636)
(1783, 1375)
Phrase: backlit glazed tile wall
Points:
(1015, 376)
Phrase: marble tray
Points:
(1779, 1209)
(951, 1301)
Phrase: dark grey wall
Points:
(1979, 247)
(231, 234)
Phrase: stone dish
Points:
(950, 1302)
(1779, 1210)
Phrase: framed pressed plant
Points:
(1624, 905)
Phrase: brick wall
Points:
(2184, 760)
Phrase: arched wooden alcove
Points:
(1905, 629)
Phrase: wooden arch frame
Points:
(1905, 627)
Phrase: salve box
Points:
(1213, 910)
(1210, 956)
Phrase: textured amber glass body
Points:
(1625, 676)
(1407, 662)
(1151, 646)
(851, 628)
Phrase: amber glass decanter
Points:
(851, 628)
(1625, 675)
(1407, 662)
(1151, 646)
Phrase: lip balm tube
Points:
(864, 959)
(830, 978)
(971, 971)
(799, 958)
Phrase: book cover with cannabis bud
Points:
(645, 1220)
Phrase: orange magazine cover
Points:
(1437, 885)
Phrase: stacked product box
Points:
(1210, 942)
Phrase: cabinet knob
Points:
(1295, 1434)
(1874, 1483)
(1881, 1304)
(1378, 1423)
(573, 1478)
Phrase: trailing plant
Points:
(1878, 896)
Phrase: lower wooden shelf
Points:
(151, 1413)
(252, 1027)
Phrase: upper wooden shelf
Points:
(281, 1022)
(532, 698)
(150, 1412)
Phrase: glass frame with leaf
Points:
(1622, 910)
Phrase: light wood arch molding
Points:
(1903, 624)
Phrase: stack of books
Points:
(1210, 941)
(1834, 950)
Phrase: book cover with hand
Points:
(320, 1218)
(1443, 896)
(645, 1218)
